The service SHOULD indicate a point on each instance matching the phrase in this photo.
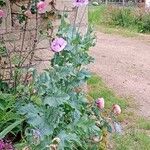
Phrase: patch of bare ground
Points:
(124, 63)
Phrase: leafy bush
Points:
(59, 109)
(144, 23)
(122, 17)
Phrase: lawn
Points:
(136, 130)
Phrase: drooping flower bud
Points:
(100, 103)
(116, 109)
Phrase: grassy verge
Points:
(137, 130)
(96, 18)
(117, 31)
(96, 14)
(99, 16)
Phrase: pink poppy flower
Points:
(41, 7)
(100, 103)
(58, 44)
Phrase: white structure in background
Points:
(147, 4)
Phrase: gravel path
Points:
(124, 63)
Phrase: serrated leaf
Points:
(68, 140)
(45, 120)
(56, 99)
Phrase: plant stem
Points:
(74, 23)
(81, 18)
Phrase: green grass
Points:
(97, 88)
(98, 16)
(143, 124)
(117, 31)
(133, 140)
(136, 134)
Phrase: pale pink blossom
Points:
(100, 103)
(58, 44)
(116, 109)
(41, 7)
(2, 14)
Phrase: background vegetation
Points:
(126, 17)
(136, 130)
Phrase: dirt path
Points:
(124, 63)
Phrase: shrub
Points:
(144, 23)
(59, 109)
(122, 17)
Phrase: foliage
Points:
(136, 131)
(133, 138)
(58, 108)
(96, 14)
(9, 118)
(50, 110)
(126, 17)
(2, 2)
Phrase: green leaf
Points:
(68, 140)
(21, 18)
(2, 3)
(10, 128)
(56, 99)
(45, 119)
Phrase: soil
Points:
(124, 64)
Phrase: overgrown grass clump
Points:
(126, 17)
